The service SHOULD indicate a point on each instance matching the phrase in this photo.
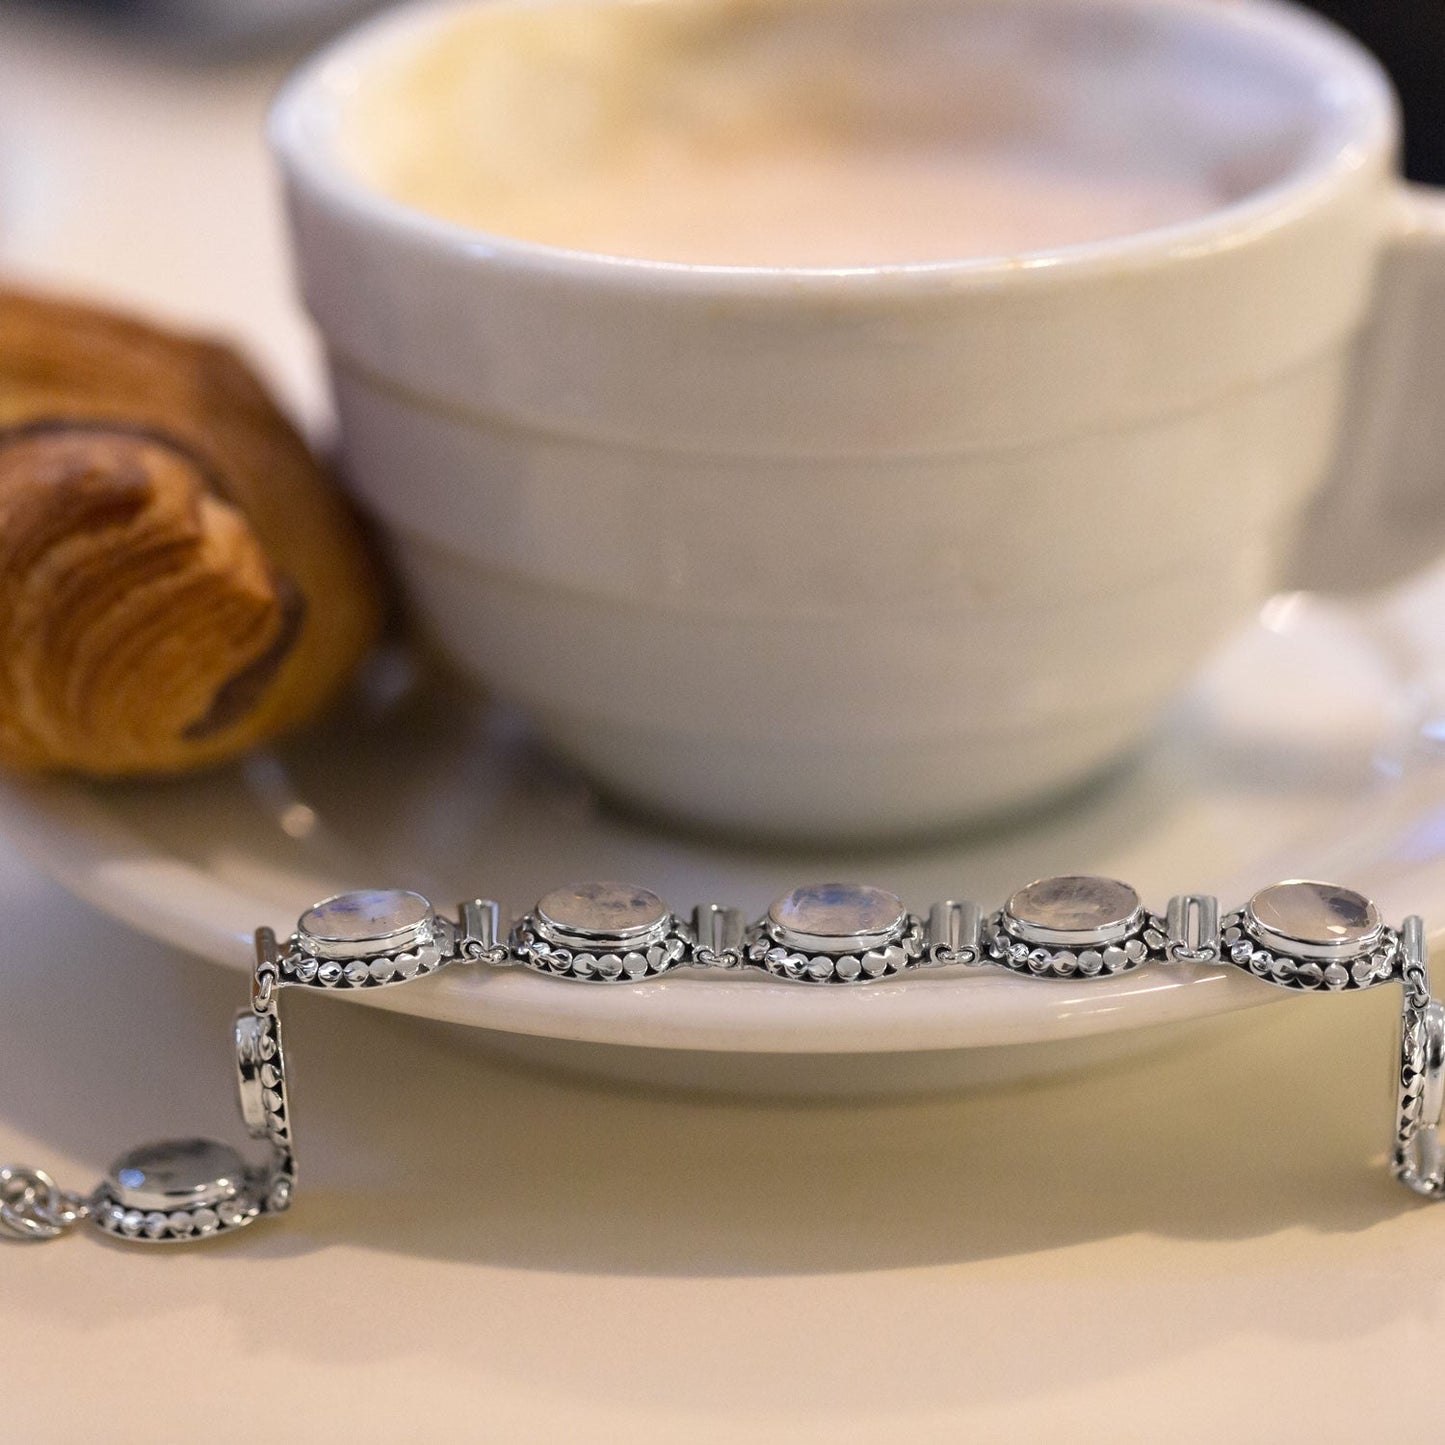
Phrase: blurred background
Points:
(1408, 35)
(1410, 38)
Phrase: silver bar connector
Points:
(719, 931)
(1412, 940)
(481, 928)
(1193, 928)
(1414, 965)
(268, 971)
(955, 932)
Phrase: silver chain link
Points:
(33, 1206)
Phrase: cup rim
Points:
(1361, 93)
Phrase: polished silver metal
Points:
(178, 1190)
(479, 936)
(836, 918)
(263, 1091)
(1414, 962)
(836, 933)
(186, 1173)
(602, 915)
(1074, 910)
(34, 1207)
(261, 1078)
(266, 973)
(601, 933)
(1416, 1159)
(1309, 919)
(955, 932)
(1074, 926)
(1298, 934)
(367, 939)
(1192, 928)
(1338, 940)
(719, 934)
(366, 923)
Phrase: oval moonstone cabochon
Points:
(1319, 914)
(601, 911)
(1074, 906)
(368, 920)
(176, 1174)
(831, 916)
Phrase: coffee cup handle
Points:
(1381, 514)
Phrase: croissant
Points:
(179, 578)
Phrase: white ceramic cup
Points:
(851, 552)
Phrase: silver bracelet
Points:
(1295, 935)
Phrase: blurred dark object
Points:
(1409, 37)
(216, 25)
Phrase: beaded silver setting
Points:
(1337, 942)
(177, 1191)
(1416, 1157)
(367, 939)
(1299, 935)
(1075, 926)
(836, 933)
(601, 933)
(262, 1090)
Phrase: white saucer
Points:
(1299, 751)
(1303, 750)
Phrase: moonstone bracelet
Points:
(1295, 935)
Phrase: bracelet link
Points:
(480, 938)
(1192, 928)
(955, 932)
(267, 972)
(1417, 1159)
(720, 934)
(33, 1206)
